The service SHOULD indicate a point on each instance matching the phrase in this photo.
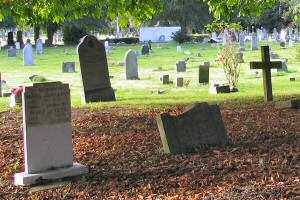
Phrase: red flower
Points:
(17, 91)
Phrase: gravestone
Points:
(266, 65)
(166, 79)
(18, 46)
(39, 47)
(239, 57)
(131, 65)
(145, 50)
(28, 55)
(150, 45)
(292, 78)
(68, 67)
(179, 49)
(295, 104)
(217, 88)
(179, 82)
(94, 70)
(254, 42)
(11, 52)
(10, 39)
(284, 66)
(181, 66)
(20, 39)
(47, 134)
(204, 73)
(242, 42)
(199, 127)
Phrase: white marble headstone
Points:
(47, 133)
(28, 59)
(18, 46)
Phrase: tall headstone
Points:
(18, 46)
(47, 134)
(11, 52)
(242, 42)
(39, 47)
(254, 42)
(10, 39)
(94, 70)
(28, 54)
(181, 66)
(131, 65)
(204, 72)
(20, 39)
(284, 66)
(201, 125)
(179, 49)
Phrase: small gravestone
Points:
(284, 66)
(292, 78)
(28, 54)
(254, 42)
(39, 47)
(179, 49)
(274, 55)
(179, 82)
(47, 134)
(18, 46)
(68, 67)
(166, 79)
(11, 52)
(10, 39)
(239, 57)
(242, 42)
(94, 70)
(199, 127)
(131, 65)
(181, 66)
(204, 72)
(295, 104)
(217, 88)
(145, 50)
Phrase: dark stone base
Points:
(97, 95)
(295, 104)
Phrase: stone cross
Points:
(266, 65)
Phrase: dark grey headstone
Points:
(181, 66)
(10, 39)
(216, 88)
(145, 50)
(179, 82)
(166, 79)
(239, 57)
(204, 73)
(94, 70)
(11, 52)
(295, 104)
(68, 67)
(198, 127)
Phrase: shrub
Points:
(180, 37)
(73, 34)
(230, 63)
(131, 40)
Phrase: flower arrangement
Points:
(17, 91)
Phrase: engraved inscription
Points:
(48, 104)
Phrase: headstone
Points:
(179, 82)
(266, 65)
(239, 57)
(242, 42)
(295, 104)
(47, 134)
(20, 39)
(68, 67)
(292, 78)
(131, 65)
(11, 52)
(179, 49)
(204, 73)
(18, 46)
(254, 42)
(10, 39)
(28, 55)
(199, 127)
(205, 40)
(166, 79)
(145, 50)
(274, 55)
(181, 66)
(94, 70)
(217, 88)
(284, 66)
(39, 47)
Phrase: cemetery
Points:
(152, 111)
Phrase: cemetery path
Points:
(121, 148)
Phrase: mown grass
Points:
(143, 93)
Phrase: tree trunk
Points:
(36, 32)
(51, 29)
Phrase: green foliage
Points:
(38, 79)
(198, 37)
(73, 34)
(180, 37)
(130, 40)
(220, 26)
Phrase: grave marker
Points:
(166, 79)
(47, 134)
(68, 67)
(39, 47)
(204, 73)
(94, 70)
(266, 65)
(28, 54)
(131, 65)
(201, 125)
(181, 66)
(11, 52)
(179, 82)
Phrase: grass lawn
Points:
(141, 93)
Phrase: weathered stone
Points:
(94, 70)
(145, 50)
(131, 65)
(179, 82)
(204, 73)
(181, 66)
(28, 55)
(11, 52)
(200, 126)
(166, 79)
(68, 67)
(295, 104)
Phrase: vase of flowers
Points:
(16, 96)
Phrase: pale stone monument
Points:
(11, 52)
(47, 134)
(181, 66)
(94, 70)
(28, 54)
(254, 42)
(179, 82)
(39, 47)
(18, 46)
(68, 67)
(131, 65)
